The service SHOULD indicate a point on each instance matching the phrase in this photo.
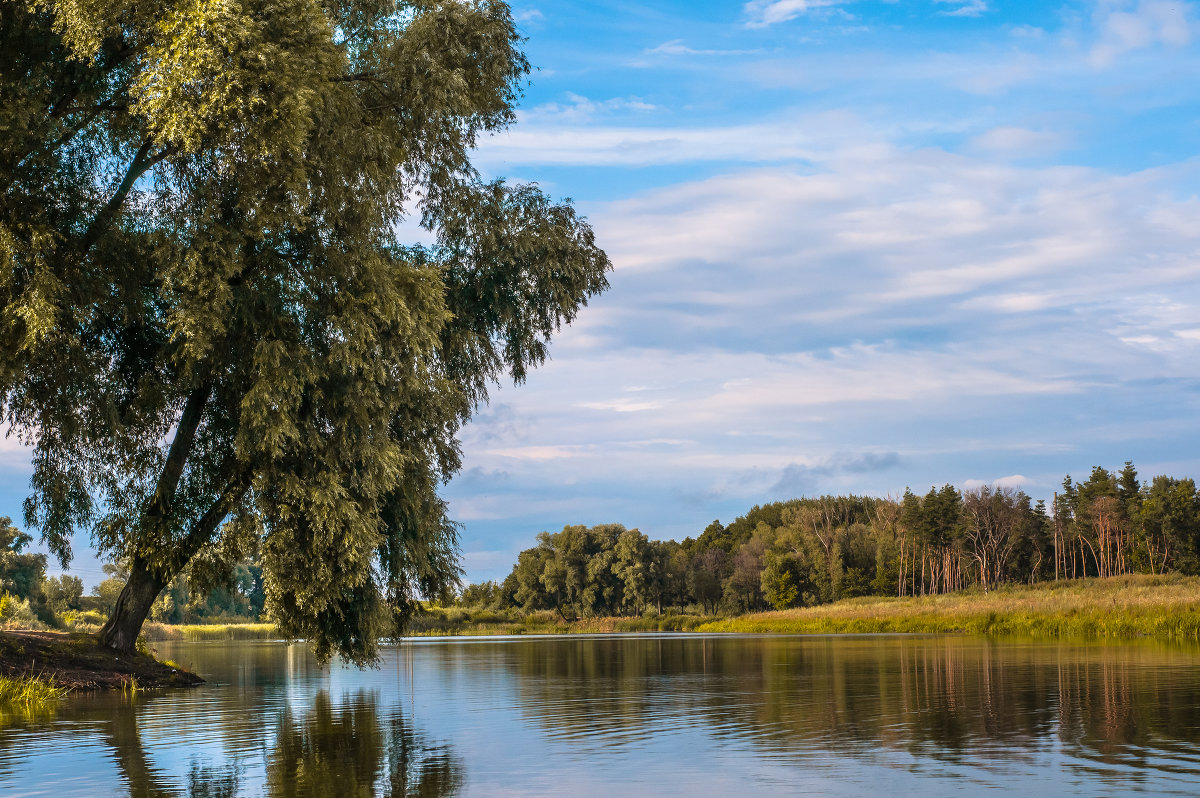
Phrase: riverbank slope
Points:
(76, 661)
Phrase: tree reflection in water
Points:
(948, 699)
(347, 750)
(213, 782)
(350, 752)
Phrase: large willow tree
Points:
(212, 336)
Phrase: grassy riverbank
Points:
(38, 663)
(1127, 607)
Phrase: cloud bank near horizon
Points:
(858, 246)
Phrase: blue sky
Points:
(858, 246)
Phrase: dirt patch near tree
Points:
(77, 661)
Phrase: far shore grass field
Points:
(1117, 608)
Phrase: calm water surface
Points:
(632, 716)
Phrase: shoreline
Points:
(1113, 609)
(1130, 607)
(75, 661)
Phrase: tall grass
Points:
(1124, 607)
(30, 690)
(155, 632)
(443, 622)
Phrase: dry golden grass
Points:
(155, 632)
(1117, 607)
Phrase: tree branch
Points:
(185, 435)
(142, 162)
(202, 531)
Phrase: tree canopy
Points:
(211, 332)
(815, 550)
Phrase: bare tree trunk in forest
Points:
(1054, 509)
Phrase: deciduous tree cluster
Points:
(816, 550)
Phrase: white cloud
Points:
(579, 110)
(773, 317)
(677, 47)
(622, 406)
(541, 453)
(1018, 141)
(552, 135)
(966, 8)
(529, 15)
(1014, 481)
(769, 12)
(1123, 27)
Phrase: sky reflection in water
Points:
(640, 715)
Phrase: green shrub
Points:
(15, 613)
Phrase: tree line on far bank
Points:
(811, 551)
(31, 599)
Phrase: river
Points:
(634, 715)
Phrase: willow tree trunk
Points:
(124, 624)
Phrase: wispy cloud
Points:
(577, 109)
(763, 13)
(1018, 141)
(965, 8)
(799, 480)
(677, 47)
(1124, 26)
(556, 139)
(528, 15)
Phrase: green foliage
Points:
(22, 575)
(16, 613)
(107, 592)
(481, 595)
(198, 245)
(87, 620)
(781, 581)
(820, 550)
(63, 593)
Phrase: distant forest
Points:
(793, 553)
(811, 551)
